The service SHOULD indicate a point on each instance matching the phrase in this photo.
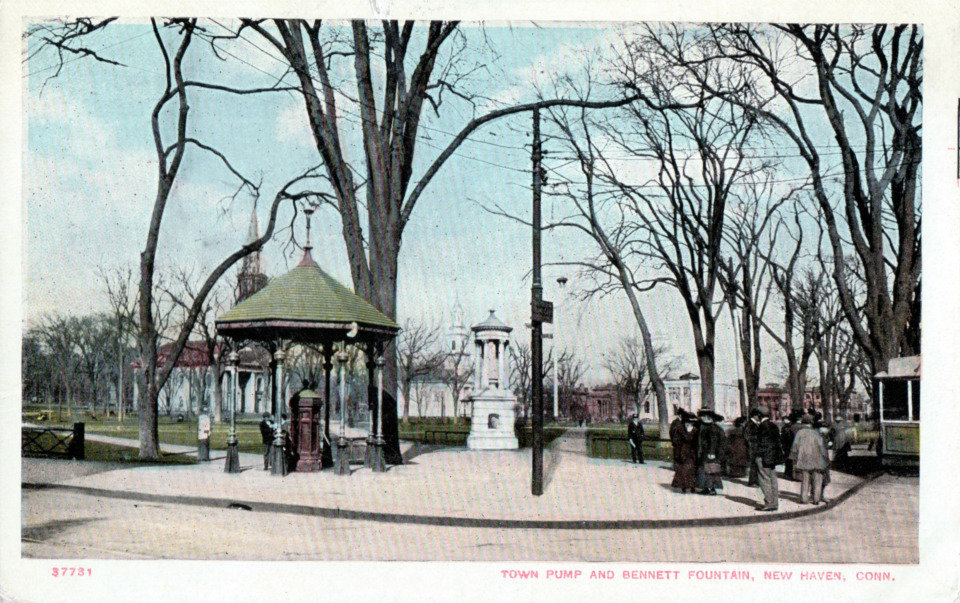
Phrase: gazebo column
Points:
(379, 464)
(279, 454)
(478, 366)
(343, 458)
(327, 454)
(233, 451)
(372, 434)
(504, 366)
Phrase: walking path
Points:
(446, 486)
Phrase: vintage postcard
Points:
(479, 302)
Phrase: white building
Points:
(431, 395)
(685, 392)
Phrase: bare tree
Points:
(867, 93)
(456, 370)
(173, 100)
(700, 160)
(746, 276)
(59, 335)
(121, 295)
(627, 365)
(385, 199)
(209, 373)
(570, 371)
(521, 363)
(417, 356)
(380, 191)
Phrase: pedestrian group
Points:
(703, 453)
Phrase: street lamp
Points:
(233, 450)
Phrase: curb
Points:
(460, 522)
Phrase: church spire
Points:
(252, 275)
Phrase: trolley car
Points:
(898, 390)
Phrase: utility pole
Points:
(556, 353)
(540, 312)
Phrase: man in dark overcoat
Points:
(635, 435)
(767, 456)
(787, 433)
(750, 437)
(267, 435)
(676, 427)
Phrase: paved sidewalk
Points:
(446, 486)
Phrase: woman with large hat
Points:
(709, 452)
(684, 442)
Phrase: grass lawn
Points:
(108, 453)
(173, 432)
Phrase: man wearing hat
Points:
(767, 455)
(267, 435)
(709, 452)
(809, 454)
(635, 435)
(787, 432)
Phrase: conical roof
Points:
(492, 323)
(306, 304)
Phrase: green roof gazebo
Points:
(307, 305)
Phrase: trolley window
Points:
(895, 401)
(915, 399)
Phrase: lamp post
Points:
(233, 452)
(378, 463)
(343, 460)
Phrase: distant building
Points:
(604, 403)
(776, 397)
(431, 395)
(190, 386)
(685, 392)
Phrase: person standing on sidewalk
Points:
(787, 433)
(736, 456)
(809, 454)
(767, 456)
(750, 437)
(710, 443)
(267, 435)
(635, 435)
(685, 455)
(203, 435)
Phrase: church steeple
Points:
(252, 276)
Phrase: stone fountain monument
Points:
(494, 405)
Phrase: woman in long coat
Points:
(710, 452)
(685, 455)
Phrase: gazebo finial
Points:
(307, 256)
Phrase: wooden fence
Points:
(59, 442)
(618, 447)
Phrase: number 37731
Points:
(64, 572)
